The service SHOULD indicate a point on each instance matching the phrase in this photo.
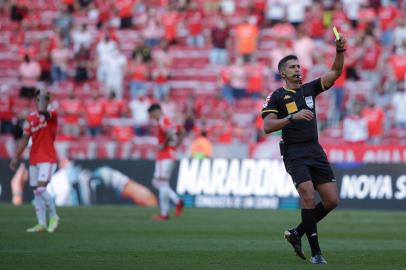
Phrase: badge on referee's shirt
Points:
(309, 102)
(291, 107)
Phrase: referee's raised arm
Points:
(332, 75)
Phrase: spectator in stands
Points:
(170, 20)
(227, 7)
(257, 74)
(399, 37)
(388, 14)
(374, 117)
(225, 85)
(125, 11)
(104, 50)
(81, 37)
(139, 112)
(64, 23)
(82, 65)
(295, 12)
(152, 30)
(247, 35)
(275, 12)
(355, 128)
(194, 22)
(283, 47)
(6, 111)
(399, 106)
(238, 78)
(143, 50)
(44, 59)
(160, 76)
(29, 74)
(115, 69)
(220, 34)
(139, 73)
(162, 55)
(351, 8)
(115, 108)
(201, 147)
(94, 114)
(18, 11)
(72, 109)
(371, 62)
(304, 48)
(60, 57)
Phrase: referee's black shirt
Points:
(288, 101)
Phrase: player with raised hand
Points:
(41, 127)
(292, 109)
(169, 138)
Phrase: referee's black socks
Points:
(310, 225)
(319, 212)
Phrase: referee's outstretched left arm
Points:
(332, 75)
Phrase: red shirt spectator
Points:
(195, 19)
(114, 107)
(170, 22)
(387, 16)
(372, 53)
(6, 107)
(125, 7)
(95, 111)
(375, 117)
(256, 73)
(72, 110)
(398, 63)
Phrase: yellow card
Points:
(291, 107)
(336, 33)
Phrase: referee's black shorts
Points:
(306, 162)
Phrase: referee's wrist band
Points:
(340, 50)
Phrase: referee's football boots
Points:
(318, 259)
(293, 239)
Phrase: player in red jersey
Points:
(169, 137)
(41, 127)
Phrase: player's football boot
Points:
(37, 229)
(296, 243)
(160, 217)
(53, 224)
(179, 208)
(318, 259)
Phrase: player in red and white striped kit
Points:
(41, 126)
(169, 137)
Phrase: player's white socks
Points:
(172, 195)
(49, 202)
(40, 208)
(164, 201)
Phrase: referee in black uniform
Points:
(292, 109)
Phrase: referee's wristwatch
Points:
(290, 118)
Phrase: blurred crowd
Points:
(103, 87)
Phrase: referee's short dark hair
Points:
(282, 62)
(154, 107)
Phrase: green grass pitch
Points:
(109, 237)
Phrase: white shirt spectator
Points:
(296, 10)
(275, 10)
(105, 47)
(399, 38)
(139, 110)
(399, 106)
(355, 129)
(351, 8)
(228, 7)
(115, 68)
(81, 37)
